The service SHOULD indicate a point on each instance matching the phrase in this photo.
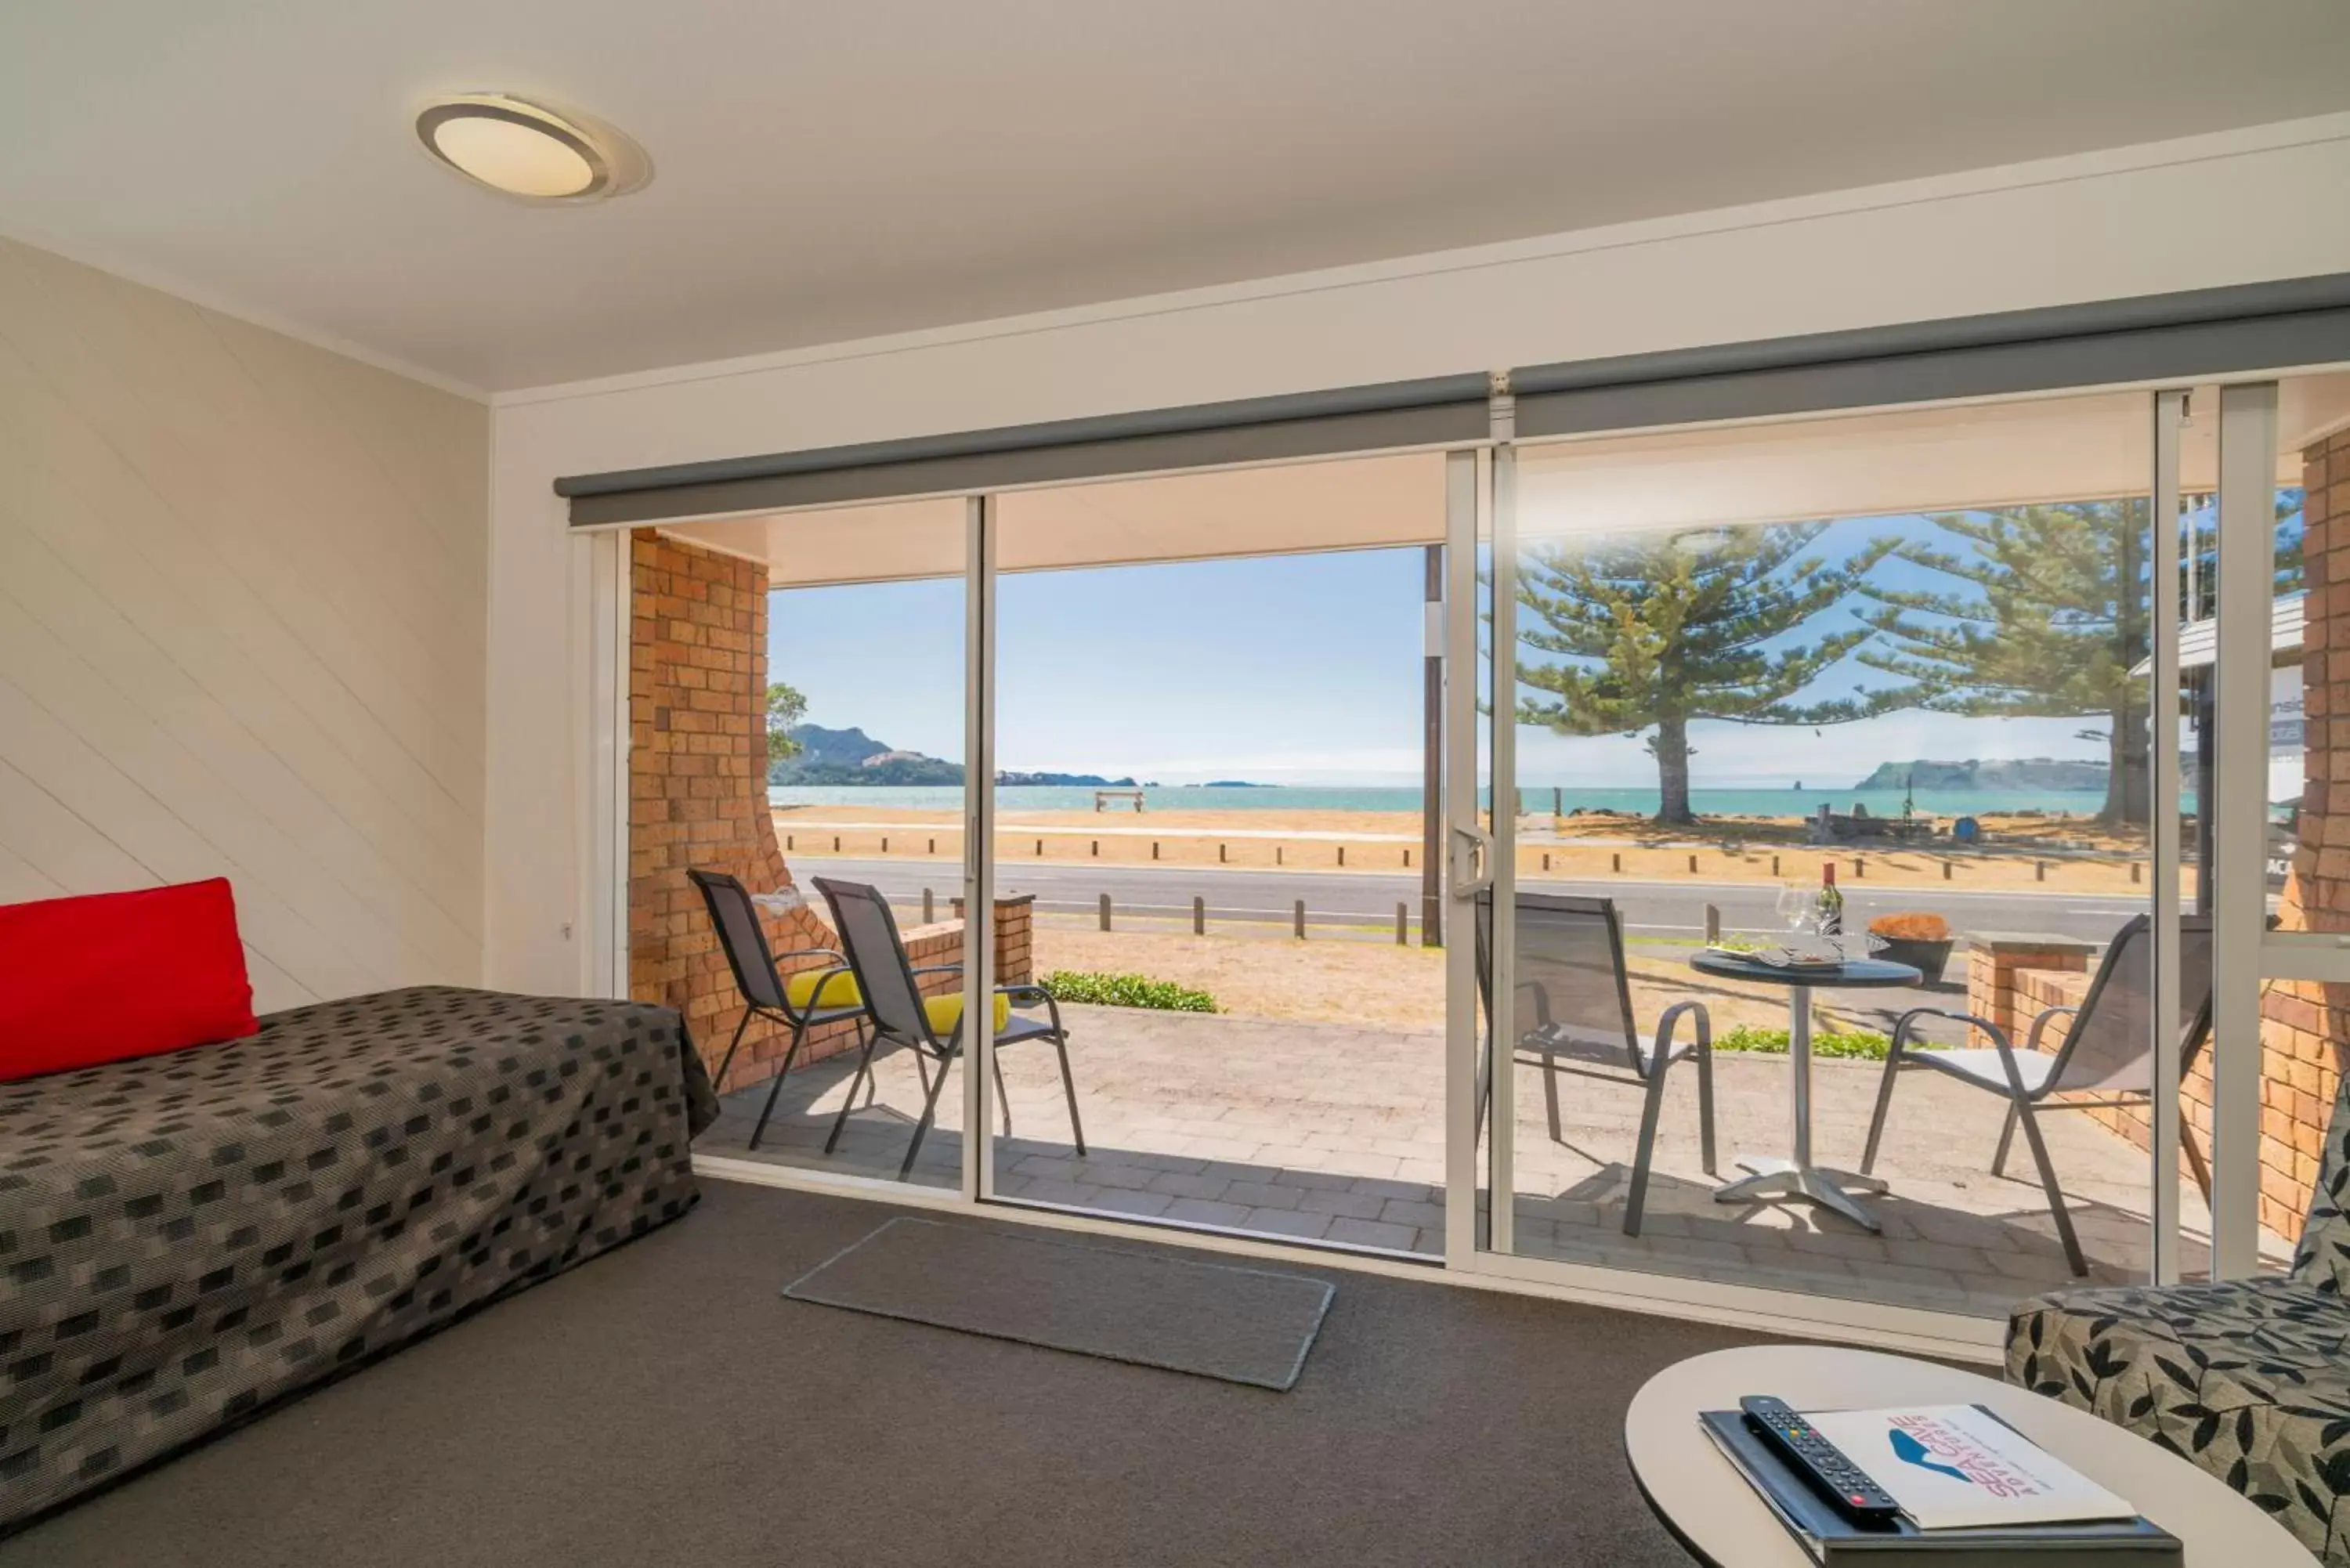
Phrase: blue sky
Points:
(1285, 669)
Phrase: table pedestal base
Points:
(1776, 1178)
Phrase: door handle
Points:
(1472, 861)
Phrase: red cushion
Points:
(117, 975)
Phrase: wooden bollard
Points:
(1220, 854)
(787, 841)
(1860, 868)
(1545, 859)
(1692, 865)
(2040, 871)
(835, 844)
(1712, 925)
(1105, 911)
(934, 847)
(1096, 844)
(2135, 869)
(1946, 870)
(1297, 919)
(1154, 849)
(1276, 855)
(1774, 865)
(1040, 849)
(1616, 862)
(1407, 859)
(1403, 925)
(1342, 855)
(1199, 916)
(885, 844)
(929, 907)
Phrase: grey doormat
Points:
(1241, 1325)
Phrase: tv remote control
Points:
(1818, 1461)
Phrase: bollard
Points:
(1199, 916)
(1342, 855)
(1276, 855)
(1545, 859)
(934, 847)
(929, 907)
(1298, 919)
(1220, 854)
(1105, 911)
(1407, 859)
(1712, 925)
(885, 844)
(1692, 865)
(1403, 925)
(1154, 849)
(835, 844)
(1615, 863)
(1040, 849)
(787, 841)
(2040, 871)
(2135, 869)
(1859, 868)
(1096, 844)
(1946, 870)
(1774, 865)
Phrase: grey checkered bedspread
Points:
(185, 1238)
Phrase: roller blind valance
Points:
(2169, 336)
(2285, 324)
(1440, 411)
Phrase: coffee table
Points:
(1797, 1177)
(1716, 1517)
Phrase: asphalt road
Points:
(1649, 909)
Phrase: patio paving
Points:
(1333, 1134)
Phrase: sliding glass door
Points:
(1823, 916)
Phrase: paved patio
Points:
(1333, 1134)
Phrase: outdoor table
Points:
(1798, 1177)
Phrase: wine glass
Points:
(1795, 907)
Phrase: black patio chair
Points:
(2107, 1050)
(1570, 967)
(931, 1027)
(796, 1002)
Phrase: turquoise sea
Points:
(1313, 797)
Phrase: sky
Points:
(1298, 670)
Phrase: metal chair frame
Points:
(762, 984)
(915, 1032)
(2026, 1104)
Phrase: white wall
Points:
(2202, 212)
(243, 630)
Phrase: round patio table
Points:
(1798, 1177)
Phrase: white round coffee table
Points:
(1714, 1513)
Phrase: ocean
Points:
(1313, 797)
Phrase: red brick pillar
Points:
(2303, 1030)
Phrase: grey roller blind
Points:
(2206, 332)
(1440, 411)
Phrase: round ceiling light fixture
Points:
(529, 152)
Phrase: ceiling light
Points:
(531, 152)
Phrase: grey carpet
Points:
(663, 1404)
(1152, 1306)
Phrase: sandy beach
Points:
(2047, 853)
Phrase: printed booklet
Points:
(1954, 1467)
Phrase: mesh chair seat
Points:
(1985, 1067)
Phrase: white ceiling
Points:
(830, 171)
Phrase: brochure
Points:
(1955, 1467)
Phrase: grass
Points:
(1103, 990)
(1857, 1044)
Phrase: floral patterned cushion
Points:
(2248, 1378)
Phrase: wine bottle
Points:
(1831, 906)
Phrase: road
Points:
(1649, 909)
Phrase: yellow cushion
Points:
(841, 993)
(946, 1011)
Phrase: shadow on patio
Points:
(1333, 1134)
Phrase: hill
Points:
(2018, 773)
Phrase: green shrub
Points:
(1125, 991)
(1864, 1044)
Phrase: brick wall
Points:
(2304, 1024)
(698, 797)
